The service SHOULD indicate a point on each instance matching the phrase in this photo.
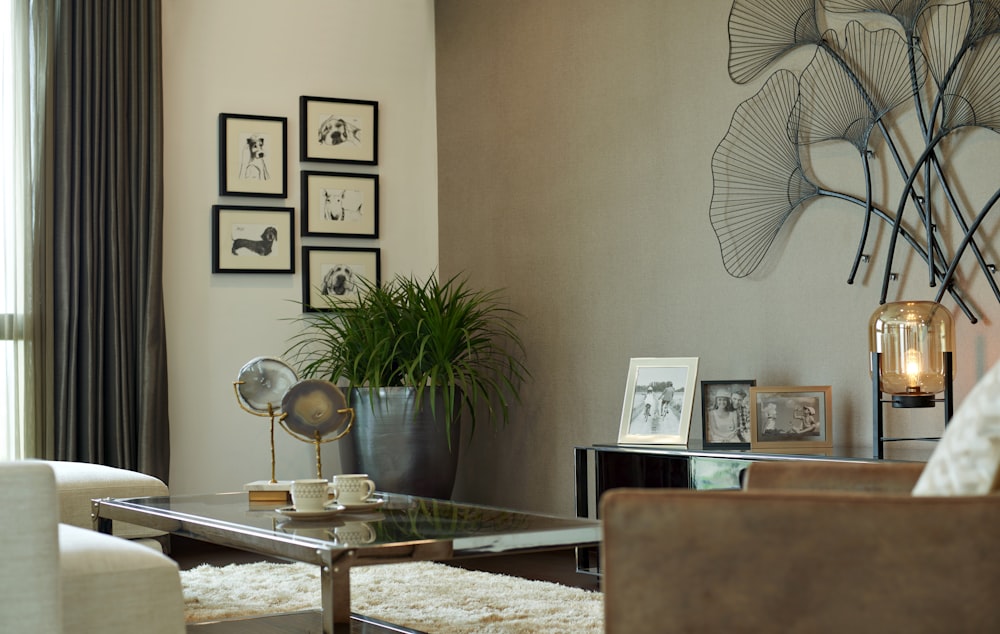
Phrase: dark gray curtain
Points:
(109, 349)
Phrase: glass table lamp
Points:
(911, 359)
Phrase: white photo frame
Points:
(659, 399)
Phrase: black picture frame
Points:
(338, 204)
(338, 130)
(247, 239)
(321, 275)
(711, 392)
(248, 166)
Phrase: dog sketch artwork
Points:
(337, 130)
(334, 277)
(343, 204)
(338, 279)
(253, 152)
(253, 240)
(340, 204)
(253, 158)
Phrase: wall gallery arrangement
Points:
(253, 161)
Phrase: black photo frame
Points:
(338, 130)
(331, 275)
(248, 163)
(725, 413)
(335, 204)
(252, 239)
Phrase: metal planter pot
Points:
(402, 449)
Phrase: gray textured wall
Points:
(575, 144)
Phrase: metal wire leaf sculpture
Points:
(943, 31)
(975, 100)
(845, 93)
(761, 31)
(905, 11)
(985, 18)
(758, 176)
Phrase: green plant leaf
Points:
(410, 333)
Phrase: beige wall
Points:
(257, 57)
(575, 140)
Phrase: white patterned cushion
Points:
(967, 457)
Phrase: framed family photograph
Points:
(253, 155)
(659, 396)
(725, 414)
(791, 417)
(252, 239)
(338, 130)
(332, 276)
(344, 205)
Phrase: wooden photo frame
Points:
(253, 155)
(725, 414)
(338, 130)
(335, 204)
(659, 398)
(252, 239)
(791, 417)
(331, 275)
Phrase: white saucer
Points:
(367, 505)
(326, 513)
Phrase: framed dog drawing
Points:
(332, 275)
(344, 205)
(338, 130)
(253, 154)
(252, 239)
(659, 399)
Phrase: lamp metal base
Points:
(912, 400)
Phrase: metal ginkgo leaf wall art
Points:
(941, 59)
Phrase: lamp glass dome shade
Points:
(911, 338)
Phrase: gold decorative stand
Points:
(269, 413)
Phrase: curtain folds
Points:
(109, 366)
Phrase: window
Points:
(17, 160)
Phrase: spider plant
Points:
(419, 334)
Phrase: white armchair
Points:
(77, 483)
(57, 578)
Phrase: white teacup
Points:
(310, 495)
(353, 488)
(355, 533)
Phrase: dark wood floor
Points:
(557, 566)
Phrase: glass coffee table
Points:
(399, 528)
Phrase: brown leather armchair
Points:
(808, 546)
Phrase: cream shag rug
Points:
(431, 597)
